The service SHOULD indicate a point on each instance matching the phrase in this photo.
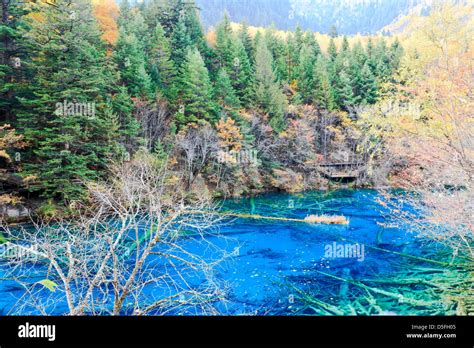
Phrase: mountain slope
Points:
(349, 16)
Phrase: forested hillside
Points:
(96, 83)
(348, 17)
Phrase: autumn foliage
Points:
(107, 12)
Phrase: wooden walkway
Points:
(337, 171)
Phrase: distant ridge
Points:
(349, 16)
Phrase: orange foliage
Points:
(8, 140)
(229, 134)
(107, 12)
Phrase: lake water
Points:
(276, 259)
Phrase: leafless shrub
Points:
(154, 119)
(197, 144)
(124, 253)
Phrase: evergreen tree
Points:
(129, 56)
(241, 72)
(195, 31)
(180, 43)
(292, 61)
(359, 55)
(311, 42)
(323, 93)
(371, 58)
(332, 69)
(332, 50)
(368, 86)
(268, 93)
(64, 117)
(162, 69)
(306, 72)
(196, 91)
(345, 94)
(223, 42)
(224, 92)
(345, 45)
(299, 38)
(395, 55)
(247, 42)
(121, 105)
(12, 71)
(279, 53)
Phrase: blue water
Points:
(274, 258)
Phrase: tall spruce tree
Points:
(241, 72)
(323, 91)
(161, 66)
(306, 72)
(64, 116)
(268, 93)
(332, 50)
(129, 55)
(12, 54)
(311, 42)
(247, 41)
(196, 91)
(224, 92)
(180, 43)
(223, 42)
(368, 86)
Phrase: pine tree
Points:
(357, 60)
(224, 92)
(292, 61)
(332, 50)
(124, 13)
(129, 56)
(278, 51)
(180, 43)
(323, 93)
(344, 92)
(195, 31)
(299, 39)
(359, 56)
(340, 77)
(332, 66)
(306, 72)
(223, 42)
(268, 93)
(12, 71)
(395, 55)
(371, 57)
(121, 105)
(161, 66)
(64, 116)
(196, 91)
(368, 86)
(247, 42)
(345, 45)
(241, 72)
(312, 43)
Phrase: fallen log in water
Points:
(311, 219)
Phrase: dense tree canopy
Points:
(81, 86)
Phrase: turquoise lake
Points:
(277, 259)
